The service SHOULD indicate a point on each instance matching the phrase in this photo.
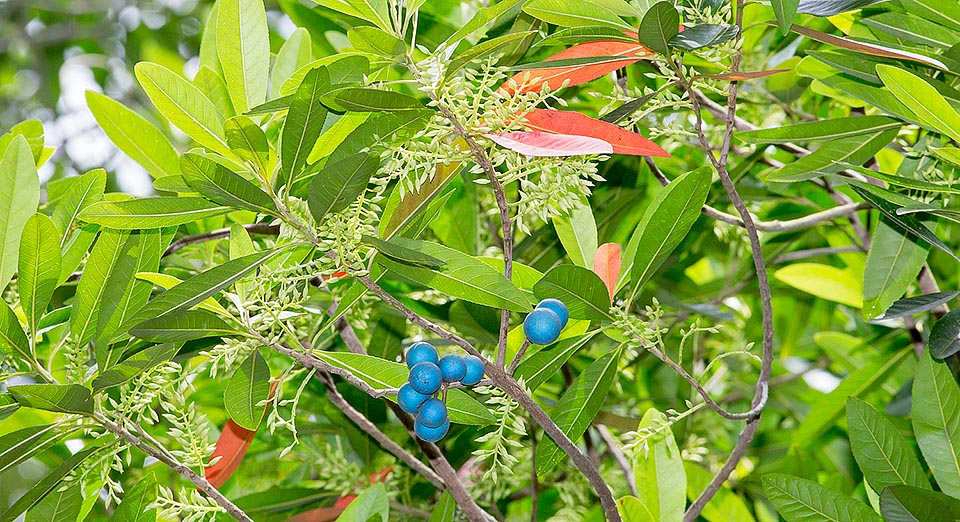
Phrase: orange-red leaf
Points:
(567, 122)
(550, 144)
(606, 264)
(327, 514)
(554, 77)
(743, 75)
(231, 447)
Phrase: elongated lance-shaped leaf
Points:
(303, 124)
(156, 212)
(580, 289)
(243, 46)
(821, 130)
(85, 191)
(834, 156)
(250, 143)
(135, 506)
(186, 326)
(39, 267)
(91, 289)
(21, 445)
(18, 201)
(539, 367)
(293, 54)
(62, 398)
(936, 422)
(214, 87)
(249, 385)
(47, 484)
(660, 23)
(931, 108)
(577, 407)
(218, 184)
(884, 455)
(134, 135)
(567, 13)
(911, 504)
(893, 262)
(12, 336)
(134, 365)
(339, 184)
(785, 11)
(798, 499)
(915, 305)
(661, 480)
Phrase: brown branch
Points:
(220, 233)
(618, 457)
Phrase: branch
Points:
(185, 241)
(175, 465)
(618, 457)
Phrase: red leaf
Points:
(633, 52)
(743, 75)
(606, 264)
(566, 122)
(550, 144)
(327, 514)
(231, 447)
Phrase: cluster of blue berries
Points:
(543, 325)
(428, 372)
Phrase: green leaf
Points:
(58, 505)
(572, 13)
(63, 398)
(799, 500)
(214, 87)
(184, 105)
(578, 234)
(293, 54)
(484, 49)
(338, 184)
(402, 254)
(373, 11)
(91, 289)
(135, 506)
(936, 422)
(372, 502)
(911, 504)
(725, 506)
(155, 212)
(539, 367)
(167, 282)
(12, 336)
(912, 28)
(134, 365)
(445, 510)
(243, 46)
(832, 7)
(893, 262)
(134, 135)
(250, 143)
(930, 107)
(703, 35)
(834, 129)
(30, 130)
(665, 223)
(915, 305)
(376, 41)
(883, 454)
(85, 191)
(833, 157)
(186, 326)
(632, 509)
(577, 407)
(196, 289)
(660, 23)
(943, 341)
(361, 99)
(382, 374)
(220, 185)
(824, 281)
(785, 11)
(39, 267)
(249, 385)
(661, 480)
(8, 405)
(303, 124)
(580, 289)
(464, 277)
(47, 484)
(18, 201)
(20, 446)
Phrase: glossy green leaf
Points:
(303, 124)
(134, 135)
(20, 446)
(243, 46)
(883, 454)
(703, 35)
(214, 87)
(832, 7)
(914, 29)
(382, 374)
(376, 41)
(372, 503)
(936, 422)
(661, 480)
(893, 262)
(157, 212)
(632, 509)
(578, 405)
(58, 505)
(915, 305)
(186, 326)
(220, 185)
(167, 282)
(484, 49)
(665, 223)
(445, 510)
(571, 13)
(580, 289)
(85, 191)
(12, 336)
(833, 157)
(578, 234)
(249, 385)
(135, 506)
(338, 184)
(660, 23)
(361, 99)
(800, 500)
(821, 130)
(463, 277)
(402, 254)
(8, 405)
(725, 506)
(539, 367)
(295, 52)
(933, 10)
(911, 504)
(944, 341)
(63, 398)
(46, 484)
(184, 105)
(920, 97)
(134, 365)
(18, 201)
(785, 11)
(824, 281)
(250, 143)
(103, 260)
(30, 130)
(39, 267)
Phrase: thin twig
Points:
(618, 457)
(813, 252)
(516, 360)
(265, 229)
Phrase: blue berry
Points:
(425, 378)
(557, 307)
(422, 352)
(433, 413)
(542, 326)
(474, 371)
(452, 367)
(410, 400)
(431, 434)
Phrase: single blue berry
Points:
(542, 326)
(433, 413)
(422, 352)
(425, 378)
(431, 434)
(474, 370)
(410, 400)
(452, 367)
(558, 308)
